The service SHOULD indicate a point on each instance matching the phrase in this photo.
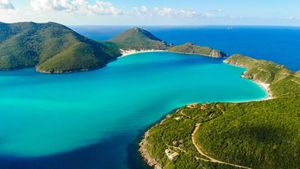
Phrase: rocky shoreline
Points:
(37, 69)
(145, 154)
(210, 56)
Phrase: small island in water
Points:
(259, 134)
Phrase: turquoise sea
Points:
(91, 120)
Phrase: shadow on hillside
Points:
(264, 134)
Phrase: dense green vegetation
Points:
(174, 132)
(190, 48)
(260, 135)
(139, 39)
(50, 47)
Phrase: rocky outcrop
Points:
(217, 54)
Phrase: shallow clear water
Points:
(88, 120)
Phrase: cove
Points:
(53, 115)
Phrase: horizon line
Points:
(161, 25)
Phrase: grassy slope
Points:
(263, 135)
(138, 39)
(193, 49)
(51, 47)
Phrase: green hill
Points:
(190, 48)
(139, 39)
(51, 48)
(258, 135)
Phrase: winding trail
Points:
(211, 159)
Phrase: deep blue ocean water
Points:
(92, 120)
(278, 44)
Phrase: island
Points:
(259, 134)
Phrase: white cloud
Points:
(6, 4)
(59, 5)
(212, 13)
(145, 11)
(172, 12)
(103, 8)
(142, 11)
(79, 6)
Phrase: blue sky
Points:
(153, 12)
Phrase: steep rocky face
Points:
(217, 54)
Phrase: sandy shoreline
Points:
(266, 86)
(131, 52)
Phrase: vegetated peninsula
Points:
(51, 48)
(260, 135)
(190, 48)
